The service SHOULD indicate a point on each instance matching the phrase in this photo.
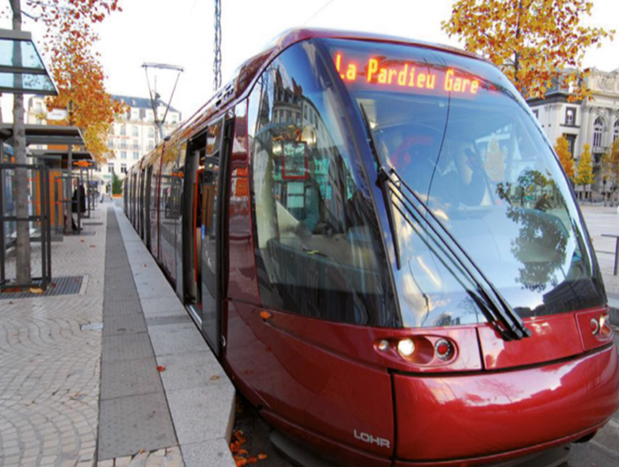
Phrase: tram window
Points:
(214, 139)
(476, 158)
(318, 244)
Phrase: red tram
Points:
(378, 242)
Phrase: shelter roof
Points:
(21, 68)
(44, 134)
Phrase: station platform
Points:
(107, 369)
(111, 371)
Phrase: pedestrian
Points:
(78, 204)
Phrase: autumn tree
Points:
(562, 149)
(585, 176)
(59, 18)
(609, 169)
(533, 42)
(80, 81)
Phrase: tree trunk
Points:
(22, 248)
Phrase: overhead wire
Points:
(318, 12)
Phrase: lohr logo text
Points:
(372, 440)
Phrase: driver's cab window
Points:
(317, 240)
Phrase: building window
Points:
(151, 132)
(110, 143)
(123, 130)
(598, 131)
(136, 156)
(571, 143)
(570, 116)
(151, 145)
(123, 144)
(123, 168)
(110, 168)
(142, 114)
(135, 145)
(123, 154)
(135, 131)
(616, 130)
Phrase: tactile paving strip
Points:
(133, 413)
(130, 378)
(126, 323)
(126, 347)
(68, 285)
(129, 424)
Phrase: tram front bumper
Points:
(497, 415)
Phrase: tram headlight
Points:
(605, 329)
(406, 347)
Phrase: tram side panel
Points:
(297, 383)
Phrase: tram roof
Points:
(250, 69)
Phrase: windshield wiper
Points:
(381, 182)
(497, 310)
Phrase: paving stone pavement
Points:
(50, 366)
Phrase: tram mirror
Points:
(294, 160)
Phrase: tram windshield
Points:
(455, 132)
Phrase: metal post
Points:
(616, 257)
(56, 204)
(2, 213)
(68, 193)
(88, 191)
(42, 229)
(48, 223)
(79, 203)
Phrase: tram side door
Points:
(213, 266)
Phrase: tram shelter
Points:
(59, 158)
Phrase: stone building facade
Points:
(135, 133)
(594, 121)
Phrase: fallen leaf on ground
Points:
(37, 290)
(214, 378)
(161, 368)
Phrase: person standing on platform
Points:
(78, 204)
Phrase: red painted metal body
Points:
(332, 387)
(535, 405)
(304, 372)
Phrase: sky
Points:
(181, 33)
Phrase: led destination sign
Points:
(404, 75)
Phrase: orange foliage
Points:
(531, 41)
(566, 158)
(67, 45)
(80, 81)
(241, 456)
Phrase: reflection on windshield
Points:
(318, 246)
(542, 238)
(481, 165)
